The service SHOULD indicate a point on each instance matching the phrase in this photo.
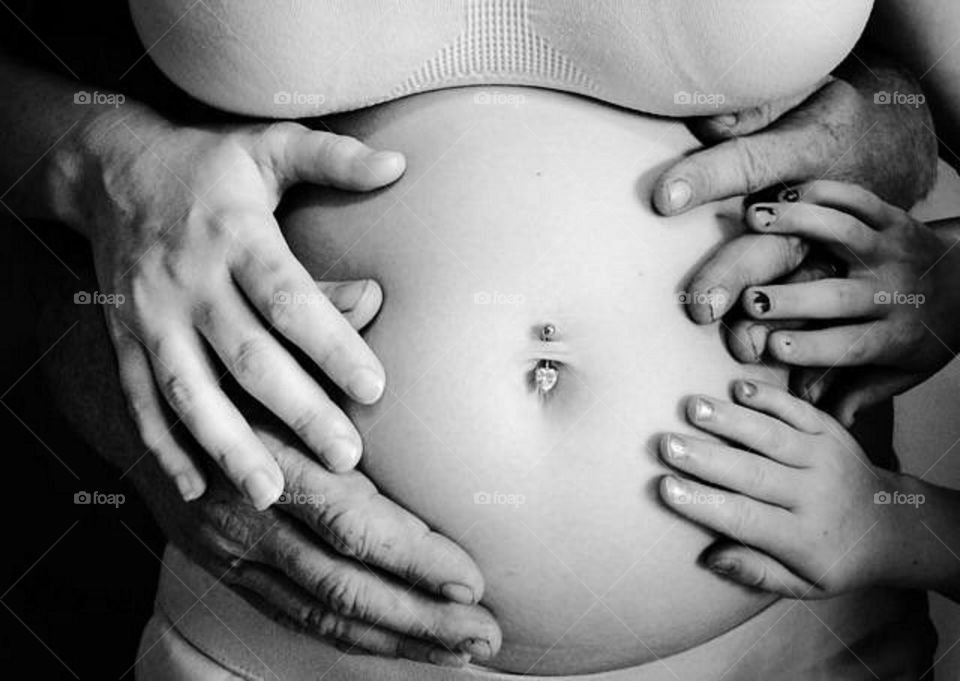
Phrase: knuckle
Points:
(330, 625)
(282, 310)
(757, 479)
(341, 593)
(250, 360)
(755, 170)
(790, 249)
(304, 420)
(178, 393)
(743, 521)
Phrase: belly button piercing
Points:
(545, 374)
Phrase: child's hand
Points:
(808, 500)
(897, 308)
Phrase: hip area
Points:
(877, 634)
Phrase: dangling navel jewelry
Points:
(545, 374)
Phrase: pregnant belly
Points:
(511, 217)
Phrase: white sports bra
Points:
(295, 58)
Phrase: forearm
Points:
(48, 139)
(926, 553)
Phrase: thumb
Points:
(737, 167)
(358, 301)
(298, 154)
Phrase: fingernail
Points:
(366, 386)
(758, 339)
(674, 489)
(729, 120)
(261, 489)
(748, 388)
(679, 193)
(458, 593)
(789, 196)
(345, 296)
(723, 566)
(477, 647)
(717, 298)
(344, 453)
(445, 658)
(385, 162)
(761, 302)
(189, 485)
(766, 215)
(676, 447)
(702, 409)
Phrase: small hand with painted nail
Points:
(794, 494)
(897, 308)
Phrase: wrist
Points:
(101, 147)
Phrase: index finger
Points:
(348, 511)
(287, 296)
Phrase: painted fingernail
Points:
(261, 489)
(761, 302)
(758, 339)
(717, 298)
(344, 453)
(445, 658)
(679, 193)
(766, 215)
(789, 196)
(748, 388)
(702, 409)
(477, 648)
(723, 566)
(676, 447)
(785, 343)
(366, 386)
(458, 593)
(189, 485)
(674, 490)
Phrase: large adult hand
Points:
(181, 221)
(845, 130)
(334, 558)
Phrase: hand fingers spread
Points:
(351, 590)
(154, 426)
(347, 511)
(844, 235)
(744, 261)
(765, 434)
(755, 476)
(823, 299)
(268, 372)
(285, 294)
(189, 386)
